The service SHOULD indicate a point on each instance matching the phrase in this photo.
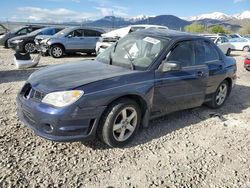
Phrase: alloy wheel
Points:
(221, 94)
(125, 124)
(30, 47)
(57, 51)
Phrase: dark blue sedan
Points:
(145, 75)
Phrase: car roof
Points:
(85, 27)
(168, 34)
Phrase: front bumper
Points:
(62, 125)
(16, 46)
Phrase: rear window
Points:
(91, 33)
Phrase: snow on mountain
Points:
(243, 15)
(140, 17)
(214, 15)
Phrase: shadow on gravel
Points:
(16, 75)
(237, 102)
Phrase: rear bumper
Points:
(62, 125)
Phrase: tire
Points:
(246, 49)
(29, 47)
(220, 96)
(228, 52)
(119, 123)
(56, 51)
(6, 44)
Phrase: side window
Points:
(76, 33)
(22, 31)
(89, 33)
(183, 53)
(210, 52)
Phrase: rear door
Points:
(176, 90)
(75, 39)
(215, 66)
(90, 39)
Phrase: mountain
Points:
(243, 15)
(214, 16)
(170, 21)
(109, 22)
(220, 16)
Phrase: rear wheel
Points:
(57, 51)
(29, 47)
(120, 123)
(246, 49)
(220, 96)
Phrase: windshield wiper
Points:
(132, 65)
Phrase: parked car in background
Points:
(26, 43)
(18, 32)
(222, 42)
(3, 30)
(242, 44)
(111, 37)
(247, 63)
(72, 40)
(147, 74)
(235, 35)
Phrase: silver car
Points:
(71, 40)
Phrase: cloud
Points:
(238, 1)
(58, 15)
(114, 10)
(76, 1)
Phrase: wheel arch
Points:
(59, 44)
(230, 83)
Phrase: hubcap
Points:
(57, 52)
(125, 124)
(222, 94)
(29, 47)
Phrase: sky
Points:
(80, 10)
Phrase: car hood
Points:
(72, 75)
(18, 37)
(41, 37)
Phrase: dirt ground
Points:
(193, 148)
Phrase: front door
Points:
(182, 89)
(75, 39)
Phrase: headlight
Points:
(44, 41)
(1, 36)
(17, 41)
(62, 98)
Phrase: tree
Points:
(218, 29)
(195, 28)
(245, 29)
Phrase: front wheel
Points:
(56, 51)
(220, 96)
(120, 123)
(29, 47)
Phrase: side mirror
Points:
(170, 66)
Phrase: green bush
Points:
(218, 29)
(195, 28)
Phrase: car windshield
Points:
(134, 51)
(37, 31)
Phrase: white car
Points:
(241, 44)
(222, 42)
(111, 37)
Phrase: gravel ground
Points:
(192, 148)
